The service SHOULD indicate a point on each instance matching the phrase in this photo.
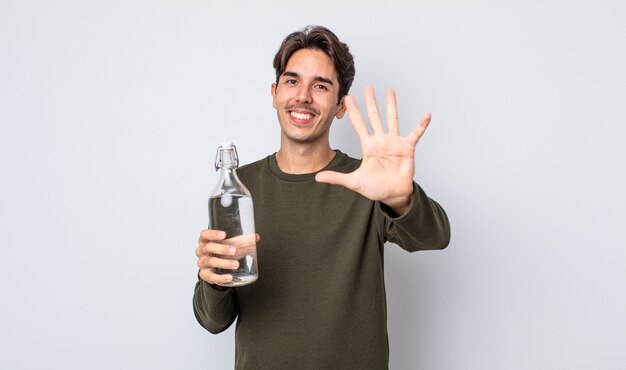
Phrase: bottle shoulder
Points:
(230, 184)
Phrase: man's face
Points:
(305, 97)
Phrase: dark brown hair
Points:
(322, 39)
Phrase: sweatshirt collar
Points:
(305, 176)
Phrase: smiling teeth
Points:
(301, 115)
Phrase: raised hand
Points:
(386, 172)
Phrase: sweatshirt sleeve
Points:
(424, 226)
(215, 309)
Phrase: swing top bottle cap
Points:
(226, 156)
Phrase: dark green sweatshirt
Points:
(319, 302)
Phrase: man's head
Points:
(322, 39)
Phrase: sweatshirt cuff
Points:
(213, 290)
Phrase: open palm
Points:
(386, 172)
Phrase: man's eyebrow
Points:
(323, 79)
(317, 78)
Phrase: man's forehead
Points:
(310, 63)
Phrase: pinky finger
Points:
(212, 278)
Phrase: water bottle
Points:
(231, 211)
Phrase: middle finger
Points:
(372, 110)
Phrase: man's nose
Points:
(304, 95)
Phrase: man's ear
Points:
(273, 91)
(342, 108)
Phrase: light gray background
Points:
(110, 113)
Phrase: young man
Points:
(323, 219)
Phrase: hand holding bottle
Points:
(216, 252)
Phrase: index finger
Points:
(355, 117)
(210, 235)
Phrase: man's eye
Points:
(321, 87)
(290, 82)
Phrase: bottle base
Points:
(240, 281)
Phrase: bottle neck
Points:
(227, 162)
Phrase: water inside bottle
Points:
(234, 215)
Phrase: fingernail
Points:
(232, 250)
(221, 234)
(235, 264)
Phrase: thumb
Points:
(336, 178)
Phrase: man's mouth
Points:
(301, 116)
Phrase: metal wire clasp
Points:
(232, 160)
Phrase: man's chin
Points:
(302, 138)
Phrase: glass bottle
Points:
(231, 211)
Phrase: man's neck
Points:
(303, 159)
